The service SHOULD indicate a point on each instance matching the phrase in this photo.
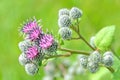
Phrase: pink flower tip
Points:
(32, 52)
(35, 33)
(46, 41)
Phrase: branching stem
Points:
(73, 51)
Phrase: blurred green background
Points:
(96, 14)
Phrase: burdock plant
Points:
(39, 46)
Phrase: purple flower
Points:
(29, 26)
(46, 41)
(32, 52)
(35, 33)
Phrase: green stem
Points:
(80, 36)
(60, 55)
(86, 42)
(75, 38)
(78, 26)
(110, 69)
(74, 51)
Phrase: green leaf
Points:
(104, 37)
(116, 67)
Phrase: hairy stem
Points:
(80, 36)
(78, 26)
(75, 38)
(110, 69)
(86, 42)
(60, 55)
(73, 51)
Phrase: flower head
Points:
(34, 33)
(46, 41)
(29, 26)
(32, 52)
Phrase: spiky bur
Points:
(31, 29)
(32, 52)
(75, 13)
(83, 60)
(31, 68)
(63, 11)
(95, 57)
(93, 61)
(34, 34)
(108, 58)
(35, 46)
(48, 44)
(64, 21)
(92, 66)
(29, 25)
(65, 33)
(23, 45)
(23, 60)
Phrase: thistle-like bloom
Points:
(46, 41)
(32, 52)
(29, 26)
(34, 33)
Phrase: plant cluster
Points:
(39, 46)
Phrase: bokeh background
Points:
(96, 14)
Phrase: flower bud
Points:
(95, 57)
(108, 60)
(65, 33)
(83, 61)
(75, 13)
(64, 21)
(23, 45)
(63, 11)
(23, 59)
(31, 68)
(108, 53)
(92, 67)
